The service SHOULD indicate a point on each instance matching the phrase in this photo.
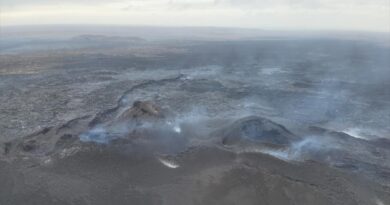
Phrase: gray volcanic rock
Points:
(368, 157)
(52, 141)
(141, 109)
(93, 146)
(258, 130)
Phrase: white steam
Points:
(301, 150)
(103, 134)
(169, 163)
(178, 125)
(362, 133)
(97, 134)
(177, 129)
(193, 117)
(379, 202)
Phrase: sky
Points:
(361, 15)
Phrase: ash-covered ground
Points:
(120, 115)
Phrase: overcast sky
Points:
(366, 15)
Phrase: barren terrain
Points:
(244, 119)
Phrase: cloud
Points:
(370, 15)
(254, 4)
(16, 3)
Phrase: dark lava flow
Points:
(127, 121)
(140, 157)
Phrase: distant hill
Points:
(103, 38)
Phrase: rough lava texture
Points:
(255, 129)
(97, 120)
(141, 110)
(140, 167)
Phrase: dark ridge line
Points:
(299, 181)
(120, 103)
(48, 129)
(275, 123)
(101, 114)
(39, 132)
(68, 124)
(146, 83)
